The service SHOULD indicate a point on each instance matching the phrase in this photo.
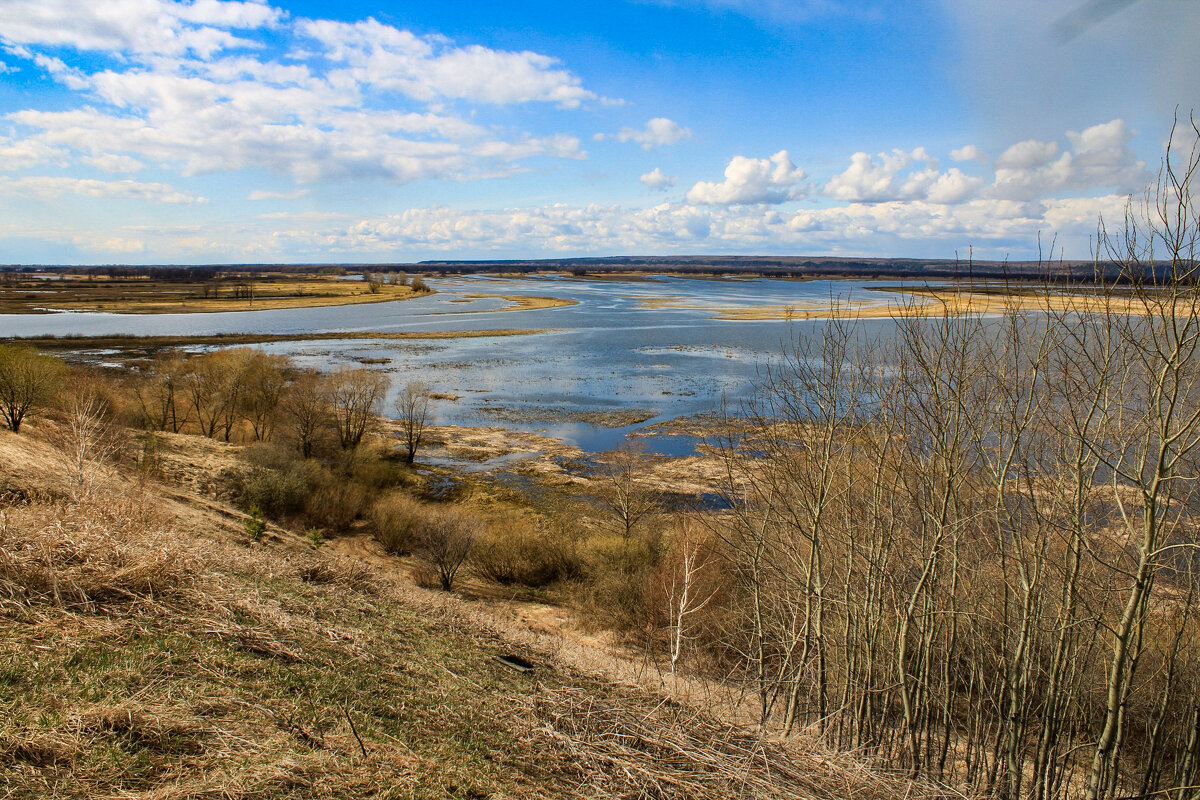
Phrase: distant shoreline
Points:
(743, 266)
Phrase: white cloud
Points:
(996, 228)
(429, 67)
(658, 132)
(259, 194)
(882, 228)
(1027, 155)
(968, 153)
(558, 146)
(658, 180)
(1100, 158)
(161, 27)
(952, 187)
(113, 163)
(753, 180)
(18, 154)
(47, 188)
(331, 115)
(901, 175)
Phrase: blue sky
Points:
(202, 131)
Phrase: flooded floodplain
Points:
(615, 356)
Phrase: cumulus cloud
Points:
(658, 132)
(995, 227)
(1099, 158)
(968, 153)
(1027, 155)
(658, 180)
(47, 188)
(882, 228)
(753, 180)
(152, 27)
(260, 194)
(901, 175)
(336, 113)
(426, 67)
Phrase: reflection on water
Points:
(611, 351)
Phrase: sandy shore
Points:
(520, 302)
(919, 303)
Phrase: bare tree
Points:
(206, 382)
(27, 381)
(686, 596)
(622, 488)
(306, 408)
(264, 382)
(354, 399)
(89, 440)
(412, 411)
(444, 544)
(159, 395)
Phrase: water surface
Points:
(616, 349)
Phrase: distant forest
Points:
(767, 266)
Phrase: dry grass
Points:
(147, 651)
(621, 747)
(147, 296)
(150, 344)
(521, 302)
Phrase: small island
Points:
(186, 290)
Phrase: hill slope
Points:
(147, 650)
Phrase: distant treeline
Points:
(767, 266)
(790, 267)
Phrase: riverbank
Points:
(154, 343)
(234, 292)
(918, 302)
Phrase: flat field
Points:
(228, 292)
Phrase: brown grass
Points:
(147, 651)
(523, 302)
(154, 343)
(147, 296)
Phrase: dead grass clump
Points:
(396, 520)
(169, 732)
(36, 750)
(338, 571)
(517, 550)
(336, 505)
(617, 747)
(81, 556)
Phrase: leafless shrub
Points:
(412, 412)
(396, 519)
(515, 549)
(89, 440)
(336, 505)
(443, 545)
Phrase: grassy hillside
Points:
(148, 650)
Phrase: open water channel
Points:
(616, 352)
